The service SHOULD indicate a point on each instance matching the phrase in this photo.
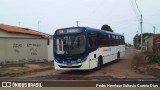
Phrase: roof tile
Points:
(15, 29)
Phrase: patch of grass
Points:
(153, 58)
(157, 75)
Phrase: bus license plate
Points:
(69, 65)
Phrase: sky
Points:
(48, 15)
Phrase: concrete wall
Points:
(157, 44)
(50, 50)
(149, 45)
(13, 50)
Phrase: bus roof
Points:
(94, 29)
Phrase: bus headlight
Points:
(84, 59)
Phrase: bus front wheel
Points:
(100, 63)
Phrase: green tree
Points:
(106, 27)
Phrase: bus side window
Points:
(101, 39)
(109, 40)
(91, 41)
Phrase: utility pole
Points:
(137, 38)
(154, 28)
(141, 33)
(38, 25)
(19, 23)
(77, 23)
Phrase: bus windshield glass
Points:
(69, 45)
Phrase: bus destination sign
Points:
(69, 31)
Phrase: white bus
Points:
(84, 48)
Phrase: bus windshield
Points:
(69, 45)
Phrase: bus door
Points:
(92, 44)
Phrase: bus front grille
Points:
(70, 67)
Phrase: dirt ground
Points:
(123, 68)
(142, 65)
(12, 70)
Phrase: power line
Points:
(133, 8)
(137, 6)
(118, 25)
(123, 26)
(99, 5)
(148, 23)
(141, 20)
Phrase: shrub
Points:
(153, 58)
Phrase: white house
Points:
(20, 45)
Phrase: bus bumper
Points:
(77, 66)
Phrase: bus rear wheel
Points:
(118, 55)
(100, 63)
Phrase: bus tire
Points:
(118, 55)
(100, 63)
